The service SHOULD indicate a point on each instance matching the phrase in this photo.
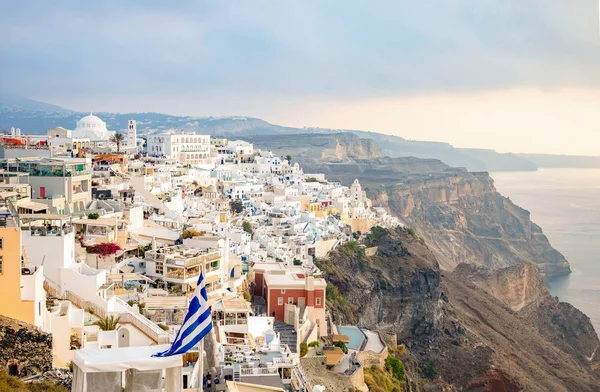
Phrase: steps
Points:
(287, 335)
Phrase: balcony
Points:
(41, 231)
(205, 258)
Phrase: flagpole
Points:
(201, 358)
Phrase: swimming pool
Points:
(355, 335)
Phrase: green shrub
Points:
(313, 344)
(93, 215)
(430, 371)
(380, 381)
(13, 384)
(411, 232)
(247, 226)
(396, 367)
(247, 296)
(190, 233)
(303, 349)
(341, 345)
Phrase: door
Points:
(42, 192)
(301, 302)
(123, 337)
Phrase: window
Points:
(318, 301)
(1, 243)
(282, 291)
(280, 301)
(290, 300)
(1, 265)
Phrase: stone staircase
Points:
(287, 335)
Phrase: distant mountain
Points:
(17, 103)
(36, 118)
(562, 161)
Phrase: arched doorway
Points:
(123, 337)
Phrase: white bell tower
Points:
(131, 134)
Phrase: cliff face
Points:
(465, 219)
(25, 346)
(472, 328)
(396, 291)
(311, 148)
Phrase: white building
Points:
(131, 143)
(187, 148)
(92, 128)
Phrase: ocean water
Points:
(566, 204)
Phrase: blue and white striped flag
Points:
(197, 323)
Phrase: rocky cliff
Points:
(312, 148)
(465, 219)
(397, 290)
(25, 346)
(463, 328)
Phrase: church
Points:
(92, 128)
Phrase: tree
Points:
(303, 349)
(190, 233)
(118, 138)
(247, 226)
(236, 206)
(108, 323)
(288, 157)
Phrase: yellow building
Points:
(21, 287)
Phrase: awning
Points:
(341, 338)
(4, 195)
(127, 277)
(211, 279)
(127, 269)
(32, 205)
(120, 359)
(333, 356)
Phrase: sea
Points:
(566, 204)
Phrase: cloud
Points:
(309, 49)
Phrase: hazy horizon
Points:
(514, 78)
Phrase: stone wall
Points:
(24, 345)
(370, 358)
(317, 373)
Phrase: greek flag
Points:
(197, 323)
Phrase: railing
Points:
(138, 321)
(240, 321)
(85, 305)
(301, 379)
(42, 232)
(259, 371)
(152, 330)
(203, 258)
(283, 361)
(51, 288)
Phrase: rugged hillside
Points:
(465, 219)
(337, 147)
(460, 214)
(462, 327)
(25, 346)
(397, 291)
(524, 291)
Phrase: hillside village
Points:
(103, 236)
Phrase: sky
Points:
(511, 75)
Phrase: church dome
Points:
(92, 127)
(91, 121)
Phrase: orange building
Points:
(21, 287)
